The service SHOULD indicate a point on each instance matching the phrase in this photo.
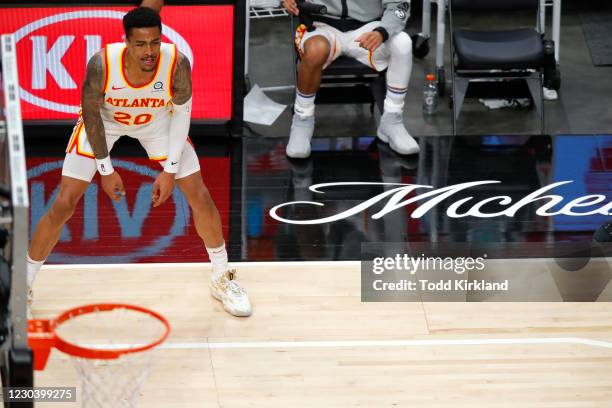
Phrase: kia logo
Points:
(129, 221)
(47, 58)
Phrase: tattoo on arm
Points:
(181, 81)
(92, 99)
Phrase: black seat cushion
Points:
(346, 65)
(509, 49)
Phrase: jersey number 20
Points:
(127, 119)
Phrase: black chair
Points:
(501, 57)
(347, 80)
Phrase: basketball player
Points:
(140, 89)
(370, 31)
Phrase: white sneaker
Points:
(550, 94)
(391, 130)
(233, 296)
(302, 129)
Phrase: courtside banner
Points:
(54, 45)
(131, 230)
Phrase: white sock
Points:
(32, 268)
(218, 259)
(394, 101)
(399, 71)
(304, 104)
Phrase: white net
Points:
(116, 382)
(113, 383)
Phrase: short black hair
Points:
(141, 17)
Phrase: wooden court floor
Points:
(311, 343)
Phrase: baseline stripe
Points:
(368, 343)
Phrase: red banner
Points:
(54, 44)
(131, 231)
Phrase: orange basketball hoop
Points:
(100, 360)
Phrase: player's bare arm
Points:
(154, 4)
(181, 84)
(179, 127)
(92, 99)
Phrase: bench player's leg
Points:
(399, 53)
(394, 55)
(316, 52)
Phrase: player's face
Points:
(143, 46)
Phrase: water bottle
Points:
(430, 96)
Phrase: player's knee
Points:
(62, 208)
(202, 202)
(316, 52)
(401, 45)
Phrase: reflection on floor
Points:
(525, 196)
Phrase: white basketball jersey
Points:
(137, 110)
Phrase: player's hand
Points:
(291, 7)
(162, 188)
(370, 41)
(113, 186)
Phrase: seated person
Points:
(370, 31)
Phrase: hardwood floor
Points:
(311, 342)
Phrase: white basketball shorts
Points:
(79, 162)
(344, 44)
